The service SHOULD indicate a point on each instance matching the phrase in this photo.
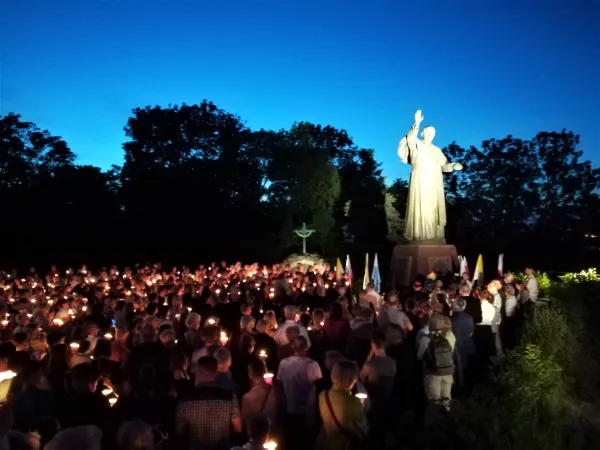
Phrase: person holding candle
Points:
(261, 399)
(345, 425)
(298, 376)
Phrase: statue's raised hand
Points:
(418, 117)
(457, 166)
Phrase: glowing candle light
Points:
(223, 338)
(112, 401)
(271, 445)
(108, 336)
(74, 346)
(58, 322)
(262, 354)
(268, 377)
(5, 323)
(211, 321)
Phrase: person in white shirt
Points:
(494, 288)
(290, 312)
(484, 337)
(531, 284)
(373, 297)
(509, 325)
(298, 376)
(510, 304)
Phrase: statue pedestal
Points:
(411, 260)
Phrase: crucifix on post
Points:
(304, 233)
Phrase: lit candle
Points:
(108, 336)
(268, 377)
(5, 323)
(362, 397)
(58, 322)
(107, 391)
(262, 354)
(223, 338)
(112, 401)
(271, 445)
(74, 346)
(211, 321)
(322, 323)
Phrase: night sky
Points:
(477, 69)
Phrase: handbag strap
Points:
(264, 403)
(344, 431)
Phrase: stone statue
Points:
(426, 206)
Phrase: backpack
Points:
(439, 357)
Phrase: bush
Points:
(544, 281)
(530, 401)
(585, 276)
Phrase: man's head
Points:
(84, 378)
(509, 277)
(300, 346)
(460, 304)
(378, 341)
(223, 358)
(529, 271)
(464, 290)
(509, 290)
(290, 312)
(206, 369)
(428, 134)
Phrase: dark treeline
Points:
(198, 185)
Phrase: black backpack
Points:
(439, 357)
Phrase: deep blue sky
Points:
(478, 69)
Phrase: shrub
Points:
(544, 281)
(528, 402)
(585, 276)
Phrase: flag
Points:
(478, 276)
(339, 271)
(464, 267)
(500, 265)
(366, 278)
(376, 276)
(349, 270)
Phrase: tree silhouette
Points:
(197, 185)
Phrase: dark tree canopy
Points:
(197, 184)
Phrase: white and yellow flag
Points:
(478, 275)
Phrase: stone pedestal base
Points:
(411, 260)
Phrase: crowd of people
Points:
(251, 356)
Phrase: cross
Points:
(304, 233)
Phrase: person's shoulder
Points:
(207, 393)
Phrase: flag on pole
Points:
(366, 278)
(349, 269)
(478, 276)
(376, 276)
(464, 267)
(500, 265)
(339, 271)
